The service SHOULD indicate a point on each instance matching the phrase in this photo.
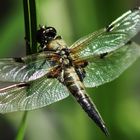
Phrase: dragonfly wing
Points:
(117, 34)
(103, 70)
(31, 95)
(25, 69)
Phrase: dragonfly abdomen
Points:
(76, 87)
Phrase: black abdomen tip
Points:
(105, 130)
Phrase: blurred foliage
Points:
(118, 101)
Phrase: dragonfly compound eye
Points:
(50, 32)
(45, 34)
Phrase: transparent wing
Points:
(32, 95)
(117, 34)
(25, 69)
(100, 71)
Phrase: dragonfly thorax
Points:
(65, 57)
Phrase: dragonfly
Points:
(59, 70)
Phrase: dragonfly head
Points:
(45, 34)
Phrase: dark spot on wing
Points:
(18, 60)
(109, 28)
(26, 86)
(81, 64)
(103, 55)
(85, 64)
(54, 72)
(22, 85)
(129, 42)
(135, 9)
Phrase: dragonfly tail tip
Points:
(105, 130)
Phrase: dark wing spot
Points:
(27, 88)
(18, 60)
(15, 86)
(109, 28)
(22, 85)
(135, 9)
(129, 42)
(103, 55)
(54, 72)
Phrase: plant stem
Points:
(30, 26)
(29, 7)
(20, 133)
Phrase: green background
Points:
(118, 101)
